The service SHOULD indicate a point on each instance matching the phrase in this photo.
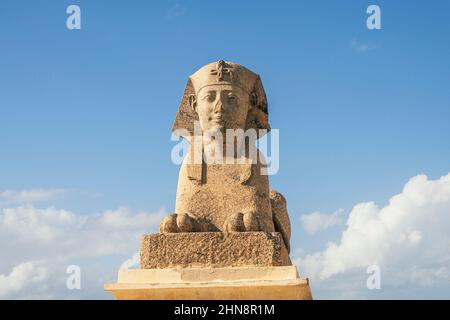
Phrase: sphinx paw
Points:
(234, 223)
(186, 223)
(169, 224)
(252, 221)
(181, 222)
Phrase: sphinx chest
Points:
(215, 192)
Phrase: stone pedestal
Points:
(236, 283)
(212, 265)
(213, 249)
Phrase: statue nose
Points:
(218, 106)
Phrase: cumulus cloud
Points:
(37, 245)
(22, 277)
(11, 197)
(408, 238)
(316, 221)
(132, 263)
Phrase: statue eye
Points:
(210, 96)
(232, 97)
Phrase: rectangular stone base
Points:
(213, 249)
(241, 283)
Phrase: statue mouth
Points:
(218, 120)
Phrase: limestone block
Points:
(235, 283)
(213, 249)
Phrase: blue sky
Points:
(90, 111)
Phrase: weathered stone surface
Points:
(213, 249)
(231, 192)
(242, 283)
(229, 237)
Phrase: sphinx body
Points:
(223, 192)
(227, 197)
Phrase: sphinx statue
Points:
(224, 195)
(229, 236)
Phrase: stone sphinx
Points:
(226, 196)
(229, 237)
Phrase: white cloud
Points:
(409, 239)
(37, 245)
(132, 263)
(9, 197)
(316, 221)
(22, 277)
(176, 11)
(361, 47)
(37, 226)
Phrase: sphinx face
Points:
(222, 107)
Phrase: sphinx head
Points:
(221, 107)
(222, 95)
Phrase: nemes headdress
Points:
(218, 73)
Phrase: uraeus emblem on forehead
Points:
(222, 70)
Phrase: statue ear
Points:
(193, 102)
(258, 116)
(186, 115)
